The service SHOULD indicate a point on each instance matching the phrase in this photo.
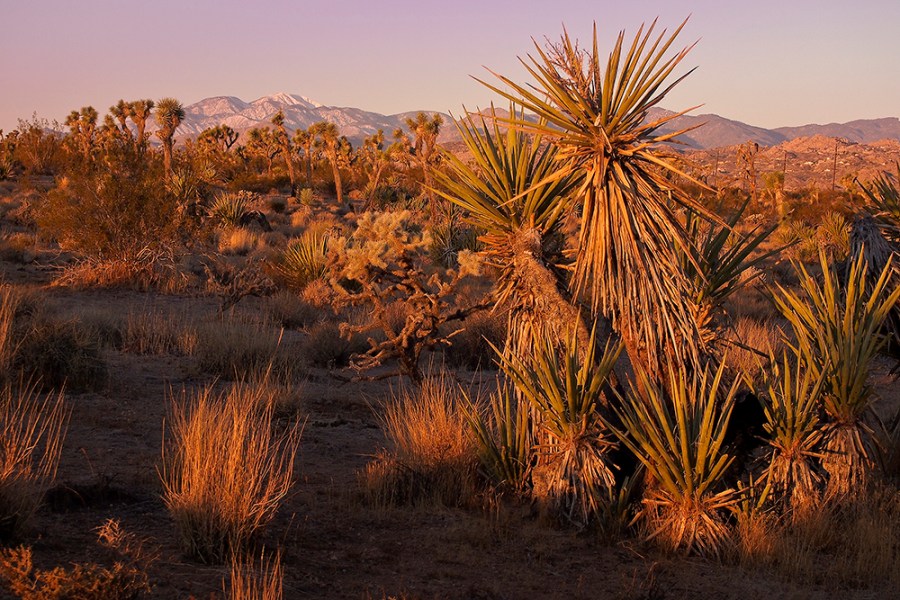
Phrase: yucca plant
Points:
(718, 262)
(567, 389)
(230, 208)
(884, 202)
(677, 430)
(626, 186)
(795, 434)
(837, 334)
(505, 440)
(510, 191)
(304, 259)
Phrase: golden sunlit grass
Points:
(234, 350)
(155, 332)
(256, 580)
(32, 430)
(225, 470)
(238, 241)
(434, 456)
(757, 339)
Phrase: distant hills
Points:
(356, 123)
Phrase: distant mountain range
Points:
(356, 124)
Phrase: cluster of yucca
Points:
(556, 427)
(304, 259)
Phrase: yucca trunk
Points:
(167, 157)
(541, 310)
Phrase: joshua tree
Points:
(306, 139)
(284, 144)
(630, 234)
(140, 111)
(120, 112)
(262, 143)
(169, 114)
(221, 136)
(328, 139)
(426, 130)
(82, 126)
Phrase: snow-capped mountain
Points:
(299, 112)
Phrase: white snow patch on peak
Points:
(288, 100)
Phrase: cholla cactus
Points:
(384, 263)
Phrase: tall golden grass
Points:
(32, 430)
(225, 470)
(434, 454)
(256, 580)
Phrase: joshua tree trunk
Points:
(167, 158)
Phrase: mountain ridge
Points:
(357, 123)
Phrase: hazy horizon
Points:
(770, 65)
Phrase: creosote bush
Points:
(225, 469)
(126, 579)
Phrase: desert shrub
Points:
(157, 332)
(237, 241)
(566, 390)
(325, 346)
(146, 270)
(306, 197)
(57, 353)
(229, 209)
(433, 458)
(235, 350)
(471, 347)
(114, 207)
(277, 204)
(126, 579)
(256, 580)
(225, 470)
(836, 329)
(292, 312)
(32, 430)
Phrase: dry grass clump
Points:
(32, 430)
(434, 457)
(17, 247)
(750, 343)
(326, 346)
(148, 270)
(59, 353)
(291, 311)
(856, 546)
(225, 470)
(126, 579)
(235, 350)
(157, 332)
(471, 347)
(256, 580)
(238, 241)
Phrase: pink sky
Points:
(766, 63)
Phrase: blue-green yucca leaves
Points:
(504, 438)
(677, 430)
(304, 259)
(837, 331)
(884, 199)
(721, 256)
(791, 405)
(566, 389)
(597, 115)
